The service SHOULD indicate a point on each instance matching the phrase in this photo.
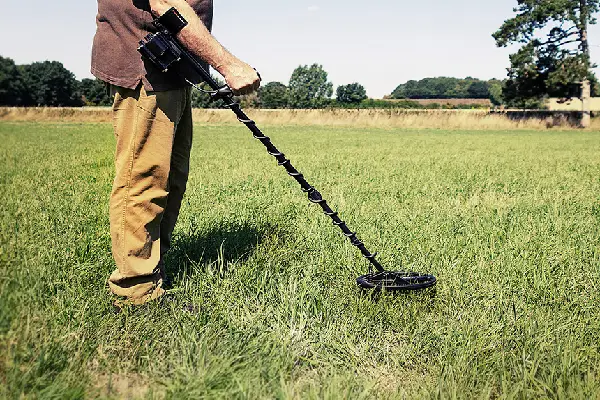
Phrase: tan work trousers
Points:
(153, 132)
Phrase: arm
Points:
(240, 77)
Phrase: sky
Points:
(377, 43)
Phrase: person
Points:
(152, 121)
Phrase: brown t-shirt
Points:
(120, 27)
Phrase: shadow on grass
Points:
(225, 243)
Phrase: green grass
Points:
(266, 304)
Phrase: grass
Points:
(365, 118)
(266, 305)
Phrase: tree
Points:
(249, 100)
(273, 95)
(94, 92)
(495, 89)
(309, 87)
(50, 84)
(352, 93)
(554, 59)
(12, 87)
(201, 99)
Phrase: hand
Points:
(241, 78)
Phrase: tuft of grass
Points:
(265, 303)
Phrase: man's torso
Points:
(120, 27)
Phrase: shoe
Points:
(157, 293)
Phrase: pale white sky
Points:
(378, 43)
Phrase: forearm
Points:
(239, 76)
(195, 37)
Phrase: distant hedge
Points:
(449, 88)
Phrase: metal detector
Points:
(165, 52)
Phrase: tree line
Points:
(46, 83)
(50, 84)
(553, 61)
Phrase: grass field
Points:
(265, 302)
